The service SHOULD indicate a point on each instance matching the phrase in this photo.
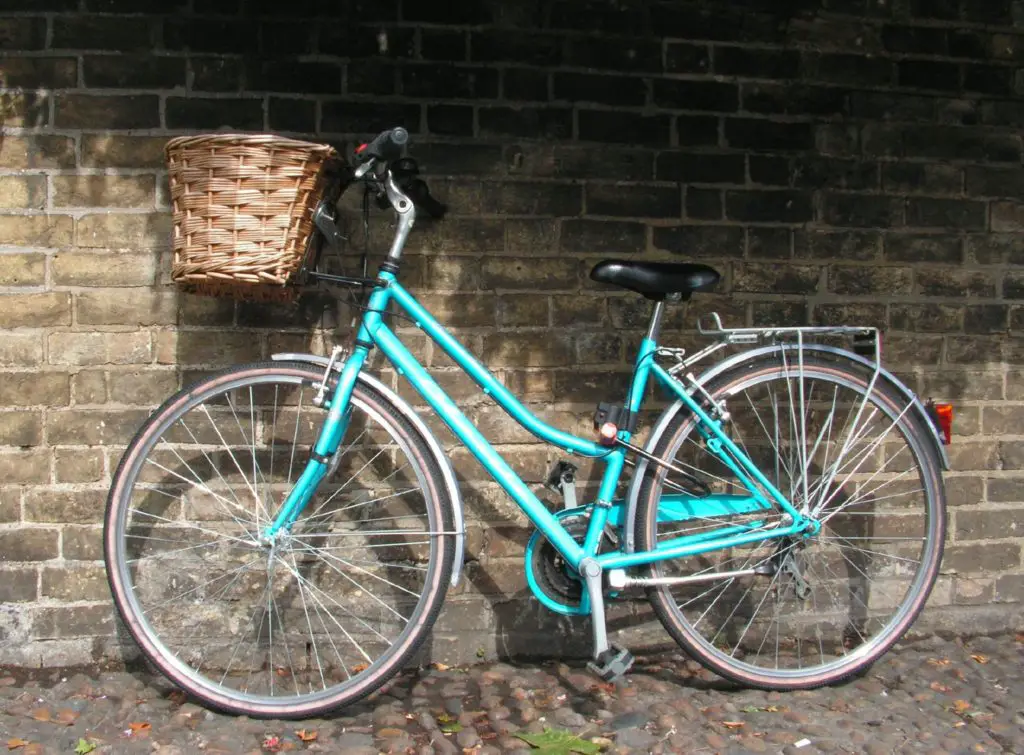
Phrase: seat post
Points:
(655, 326)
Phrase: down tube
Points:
(477, 444)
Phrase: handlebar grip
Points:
(399, 136)
(387, 145)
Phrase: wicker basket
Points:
(242, 212)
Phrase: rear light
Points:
(942, 417)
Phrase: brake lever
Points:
(364, 168)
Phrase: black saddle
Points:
(656, 280)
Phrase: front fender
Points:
(714, 371)
(436, 451)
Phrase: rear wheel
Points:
(331, 609)
(818, 608)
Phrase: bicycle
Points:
(745, 519)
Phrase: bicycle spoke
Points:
(309, 626)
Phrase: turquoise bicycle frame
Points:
(373, 330)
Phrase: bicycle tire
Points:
(365, 681)
(682, 629)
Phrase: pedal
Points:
(612, 664)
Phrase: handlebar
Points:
(387, 148)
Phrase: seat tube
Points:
(617, 456)
(654, 328)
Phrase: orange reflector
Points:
(944, 412)
(941, 416)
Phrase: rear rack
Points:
(861, 335)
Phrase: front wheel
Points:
(802, 611)
(330, 609)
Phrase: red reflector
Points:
(944, 412)
(361, 147)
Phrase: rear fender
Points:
(407, 412)
(727, 364)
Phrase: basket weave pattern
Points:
(242, 211)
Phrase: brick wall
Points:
(838, 160)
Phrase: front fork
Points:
(322, 458)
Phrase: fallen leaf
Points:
(67, 716)
(760, 709)
(14, 744)
(452, 727)
(139, 726)
(177, 697)
(84, 747)
(979, 657)
(271, 742)
(959, 706)
(41, 714)
(942, 662)
(732, 724)
(959, 725)
(440, 666)
(939, 687)
(306, 736)
(360, 668)
(559, 742)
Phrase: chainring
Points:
(551, 571)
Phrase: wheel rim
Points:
(747, 654)
(298, 676)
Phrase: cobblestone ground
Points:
(935, 697)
